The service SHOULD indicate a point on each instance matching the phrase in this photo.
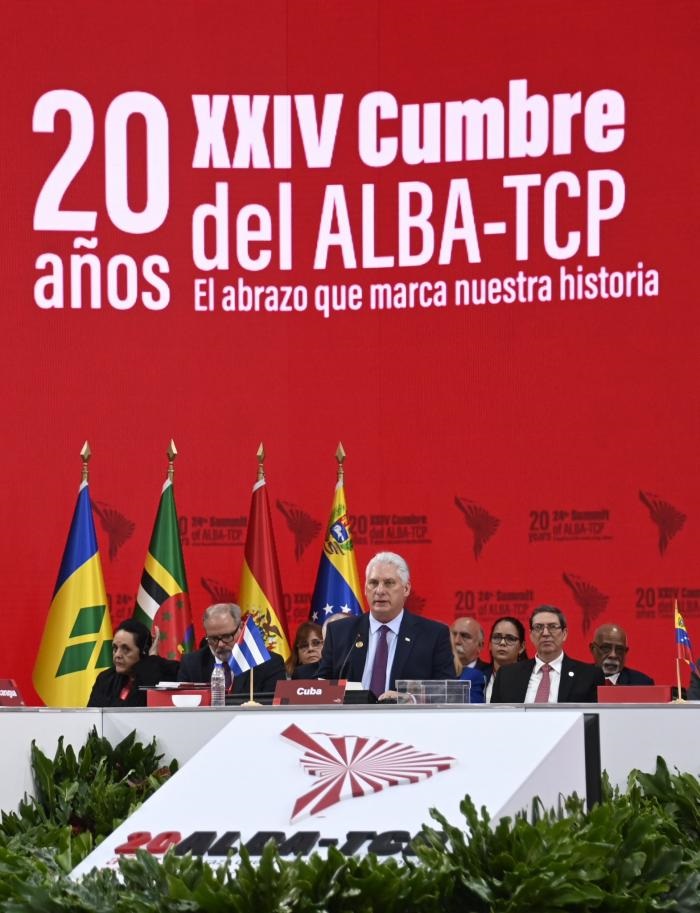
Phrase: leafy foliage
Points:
(80, 799)
(636, 852)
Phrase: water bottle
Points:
(218, 686)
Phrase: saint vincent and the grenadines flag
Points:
(77, 639)
(337, 583)
(260, 592)
(163, 597)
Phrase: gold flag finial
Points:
(340, 457)
(171, 453)
(85, 455)
(261, 462)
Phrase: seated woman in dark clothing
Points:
(507, 645)
(306, 651)
(133, 666)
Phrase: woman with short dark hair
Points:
(134, 666)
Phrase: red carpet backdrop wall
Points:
(459, 237)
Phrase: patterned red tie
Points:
(377, 683)
(542, 696)
(228, 677)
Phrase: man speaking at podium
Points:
(389, 643)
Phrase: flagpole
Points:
(85, 455)
(260, 454)
(679, 698)
(340, 457)
(250, 702)
(171, 453)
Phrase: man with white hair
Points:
(389, 643)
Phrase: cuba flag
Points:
(77, 639)
(249, 650)
(337, 587)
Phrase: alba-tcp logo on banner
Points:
(347, 767)
(314, 779)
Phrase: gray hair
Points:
(223, 608)
(390, 558)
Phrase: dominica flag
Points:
(163, 598)
(337, 586)
(683, 645)
(249, 650)
(77, 639)
(260, 592)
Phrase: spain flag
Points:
(77, 639)
(260, 592)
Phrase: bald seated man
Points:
(467, 638)
(609, 649)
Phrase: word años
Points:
(84, 281)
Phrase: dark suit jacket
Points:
(632, 677)
(694, 690)
(149, 670)
(306, 670)
(577, 685)
(198, 666)
(423, 650)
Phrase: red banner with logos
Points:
(458, 237)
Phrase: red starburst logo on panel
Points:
(350, 766)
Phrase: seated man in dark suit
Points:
(609, 648)
(551, 677)
(222, 625)
(694, 690)
(389, 643)
(467, 642)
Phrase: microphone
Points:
(357, 643)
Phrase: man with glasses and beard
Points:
(609, 649)
(222, 625)
(551, 677)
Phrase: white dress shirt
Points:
(536, 678)
(391, 638)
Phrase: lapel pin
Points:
(407, 639)
(359, 644)
(571, 674)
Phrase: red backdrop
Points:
(516, 452)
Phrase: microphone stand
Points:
(357, 643)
